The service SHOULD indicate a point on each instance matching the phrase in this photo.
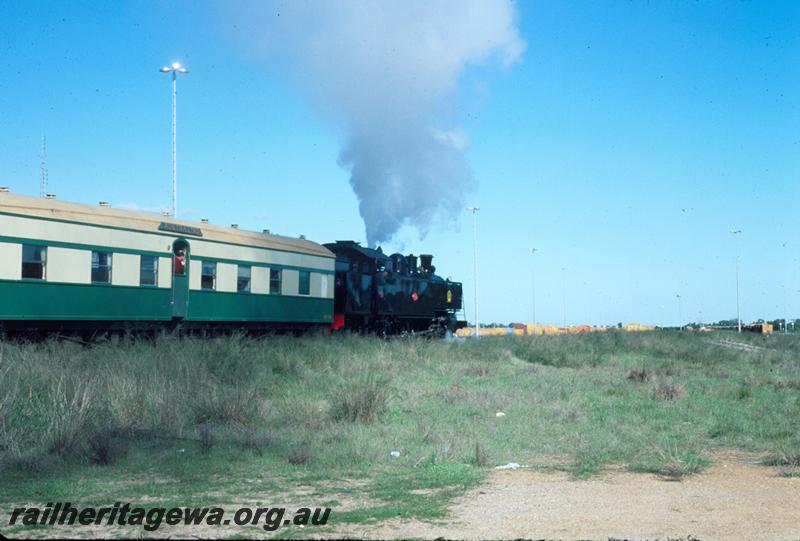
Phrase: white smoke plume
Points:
(388, 72)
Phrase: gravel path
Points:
(737, 345)
(735, 499)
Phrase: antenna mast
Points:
(43, 167)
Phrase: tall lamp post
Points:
(474, 210)
(736, 233)
(680, 315)
(174, 69)
(533, 287)
(564, 296)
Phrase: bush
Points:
(638, 375)
(783, 457)
(105, 446)
(255, 441)
(208, 440)
(363, 399)
(300, 457)
(667, 390)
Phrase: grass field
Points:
(312, 420)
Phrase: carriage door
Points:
(180, 278)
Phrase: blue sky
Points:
(624, 144)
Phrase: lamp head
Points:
(175, 67)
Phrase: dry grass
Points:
(667, 390)
(348, 400)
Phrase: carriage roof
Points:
(102, 216)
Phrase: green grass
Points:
(239, 420)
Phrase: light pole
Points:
(785, 313)
(736, 233)
(680, 315)
(474, 210)
(174, 69)
(533, 287)
(564, 296)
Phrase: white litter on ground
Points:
(510, 466)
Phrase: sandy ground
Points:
(735, 499)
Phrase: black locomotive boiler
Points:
(393, 294)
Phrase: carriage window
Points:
(243, 280)
(275, 281)
(101, 267)
(148, 270)
(305, 283)
(34, 261)
(208, 278)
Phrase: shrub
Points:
(300, 457)
(255, 441)
(783, 457)
(223, 404)
(105, 447)
(638, 375)
(207, 439)
(676, 468)
(69, 404)
(480, 457)
(667, 390)
(364, 398)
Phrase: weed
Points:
(479, 371)
(70, 402)
(667, 390)
(676, 468)
(105, 447)
(364, 399)
(480, 457)
(347, 400)
(638, 375)
(255, 441)
(742, 391)
(218, 403)
(206, 437)
(790, 384)
(783, 457)
(300, 457)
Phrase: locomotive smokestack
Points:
(425, 261)
(412, 263)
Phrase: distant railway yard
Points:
(403, 437)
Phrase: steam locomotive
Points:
(391, 294)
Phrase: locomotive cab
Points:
(391, 294)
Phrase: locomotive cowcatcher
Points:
(387, 295)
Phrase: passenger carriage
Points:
(67, 266)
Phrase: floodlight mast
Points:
(736, 233)
(474, 210)
(175, 68)
(533, 287)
